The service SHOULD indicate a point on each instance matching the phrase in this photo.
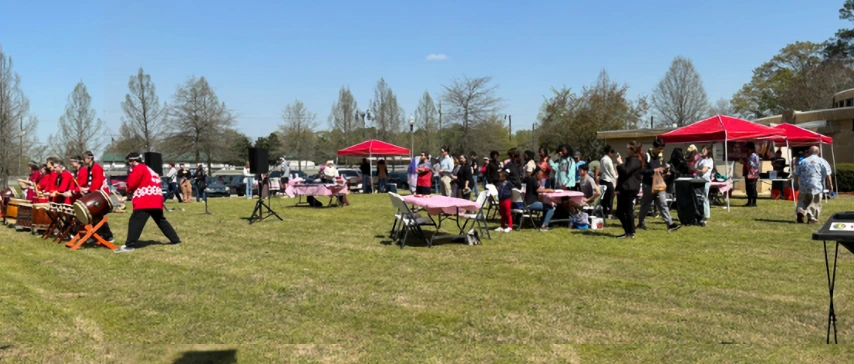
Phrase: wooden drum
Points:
(92, 206)
(12, 210)
(41, 219)
(25, 216)
(5, 196)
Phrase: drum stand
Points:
(88, 232)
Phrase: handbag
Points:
(658, 184)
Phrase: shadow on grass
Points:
(776, 221)
(212, 357)
(415, 241)
(598, 233)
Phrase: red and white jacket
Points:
(98, 179)
(144, 186)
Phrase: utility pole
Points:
(510, 124)
(651, 123)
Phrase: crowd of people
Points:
(643, 176)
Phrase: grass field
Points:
(326, 286)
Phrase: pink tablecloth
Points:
(294, 190)
(555, 197)
(721, 186)
(436, 204)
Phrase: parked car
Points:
(398, 178)
(217, 187)
(353, 178)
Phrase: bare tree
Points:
(387, 115)
(722, 107)
(143, 115)
(426, 118)
(200, 120)
(298, 129)
(16, 125)
(680, 97)
(470, 101)
(343, 119)
(79, 130)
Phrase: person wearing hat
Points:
(144, 185)
(201, 183)
(330, 173)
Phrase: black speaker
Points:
(258, 162)
(155, 162)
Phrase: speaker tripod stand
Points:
(259, 214)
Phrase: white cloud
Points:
(437, 57)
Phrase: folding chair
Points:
(596, 209)
(478, 217)
(411, 223)
(398, 216)
(492, 200)
(524, 212)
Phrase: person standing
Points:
(628, 185)
(475, 171)
(172, 182)
(705, 167)
(144, 186)
(446, 170)
(286, 168)
(184, 178)
(810, 175)
(608, 178)
(201, 183)
(564, 168)
(464, 180)
(545, 167)
(425, 176)
(63, 183)
(249, 180)
(31, 183)
(382, 175)
(655, 164)
(412, 172)
(95, 180)
(750, 171)
(493, 168)
(367, 180)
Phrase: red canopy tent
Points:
(372, 148)
(721, 128)
(798, 136)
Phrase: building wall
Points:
(842, 132)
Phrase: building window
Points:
(849, 102)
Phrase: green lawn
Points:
(325, 286)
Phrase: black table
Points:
(840, 229)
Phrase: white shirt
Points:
(247, 173)
(609, 174)
(706, 162)
(172, 175)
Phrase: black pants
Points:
(607, 197)
(750, 186)
(423, 190)
(626, 210)
(174, 191)
(137, 222)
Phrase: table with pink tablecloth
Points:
(721, 186)
(318, 189)
(556, 196)
(437, 204)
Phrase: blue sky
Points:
(261, 55)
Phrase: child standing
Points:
(505, 190)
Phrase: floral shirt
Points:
(811, 173)
(752, 166)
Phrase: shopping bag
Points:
(658, 184)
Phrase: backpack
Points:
(313, 202)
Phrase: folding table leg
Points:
(831, 282)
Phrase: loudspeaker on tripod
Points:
(154, 161)
(258, 162)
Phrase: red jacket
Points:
(145, 187)
(35, 177)
(65, 185)
(98, 179)
(82, 177)
(47, 184)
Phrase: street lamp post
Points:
(411, 135)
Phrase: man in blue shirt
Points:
(412, 172)
(446, 168)
(810, 175)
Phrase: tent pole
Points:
(835, 178)
(821, 151)
(791, 174)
